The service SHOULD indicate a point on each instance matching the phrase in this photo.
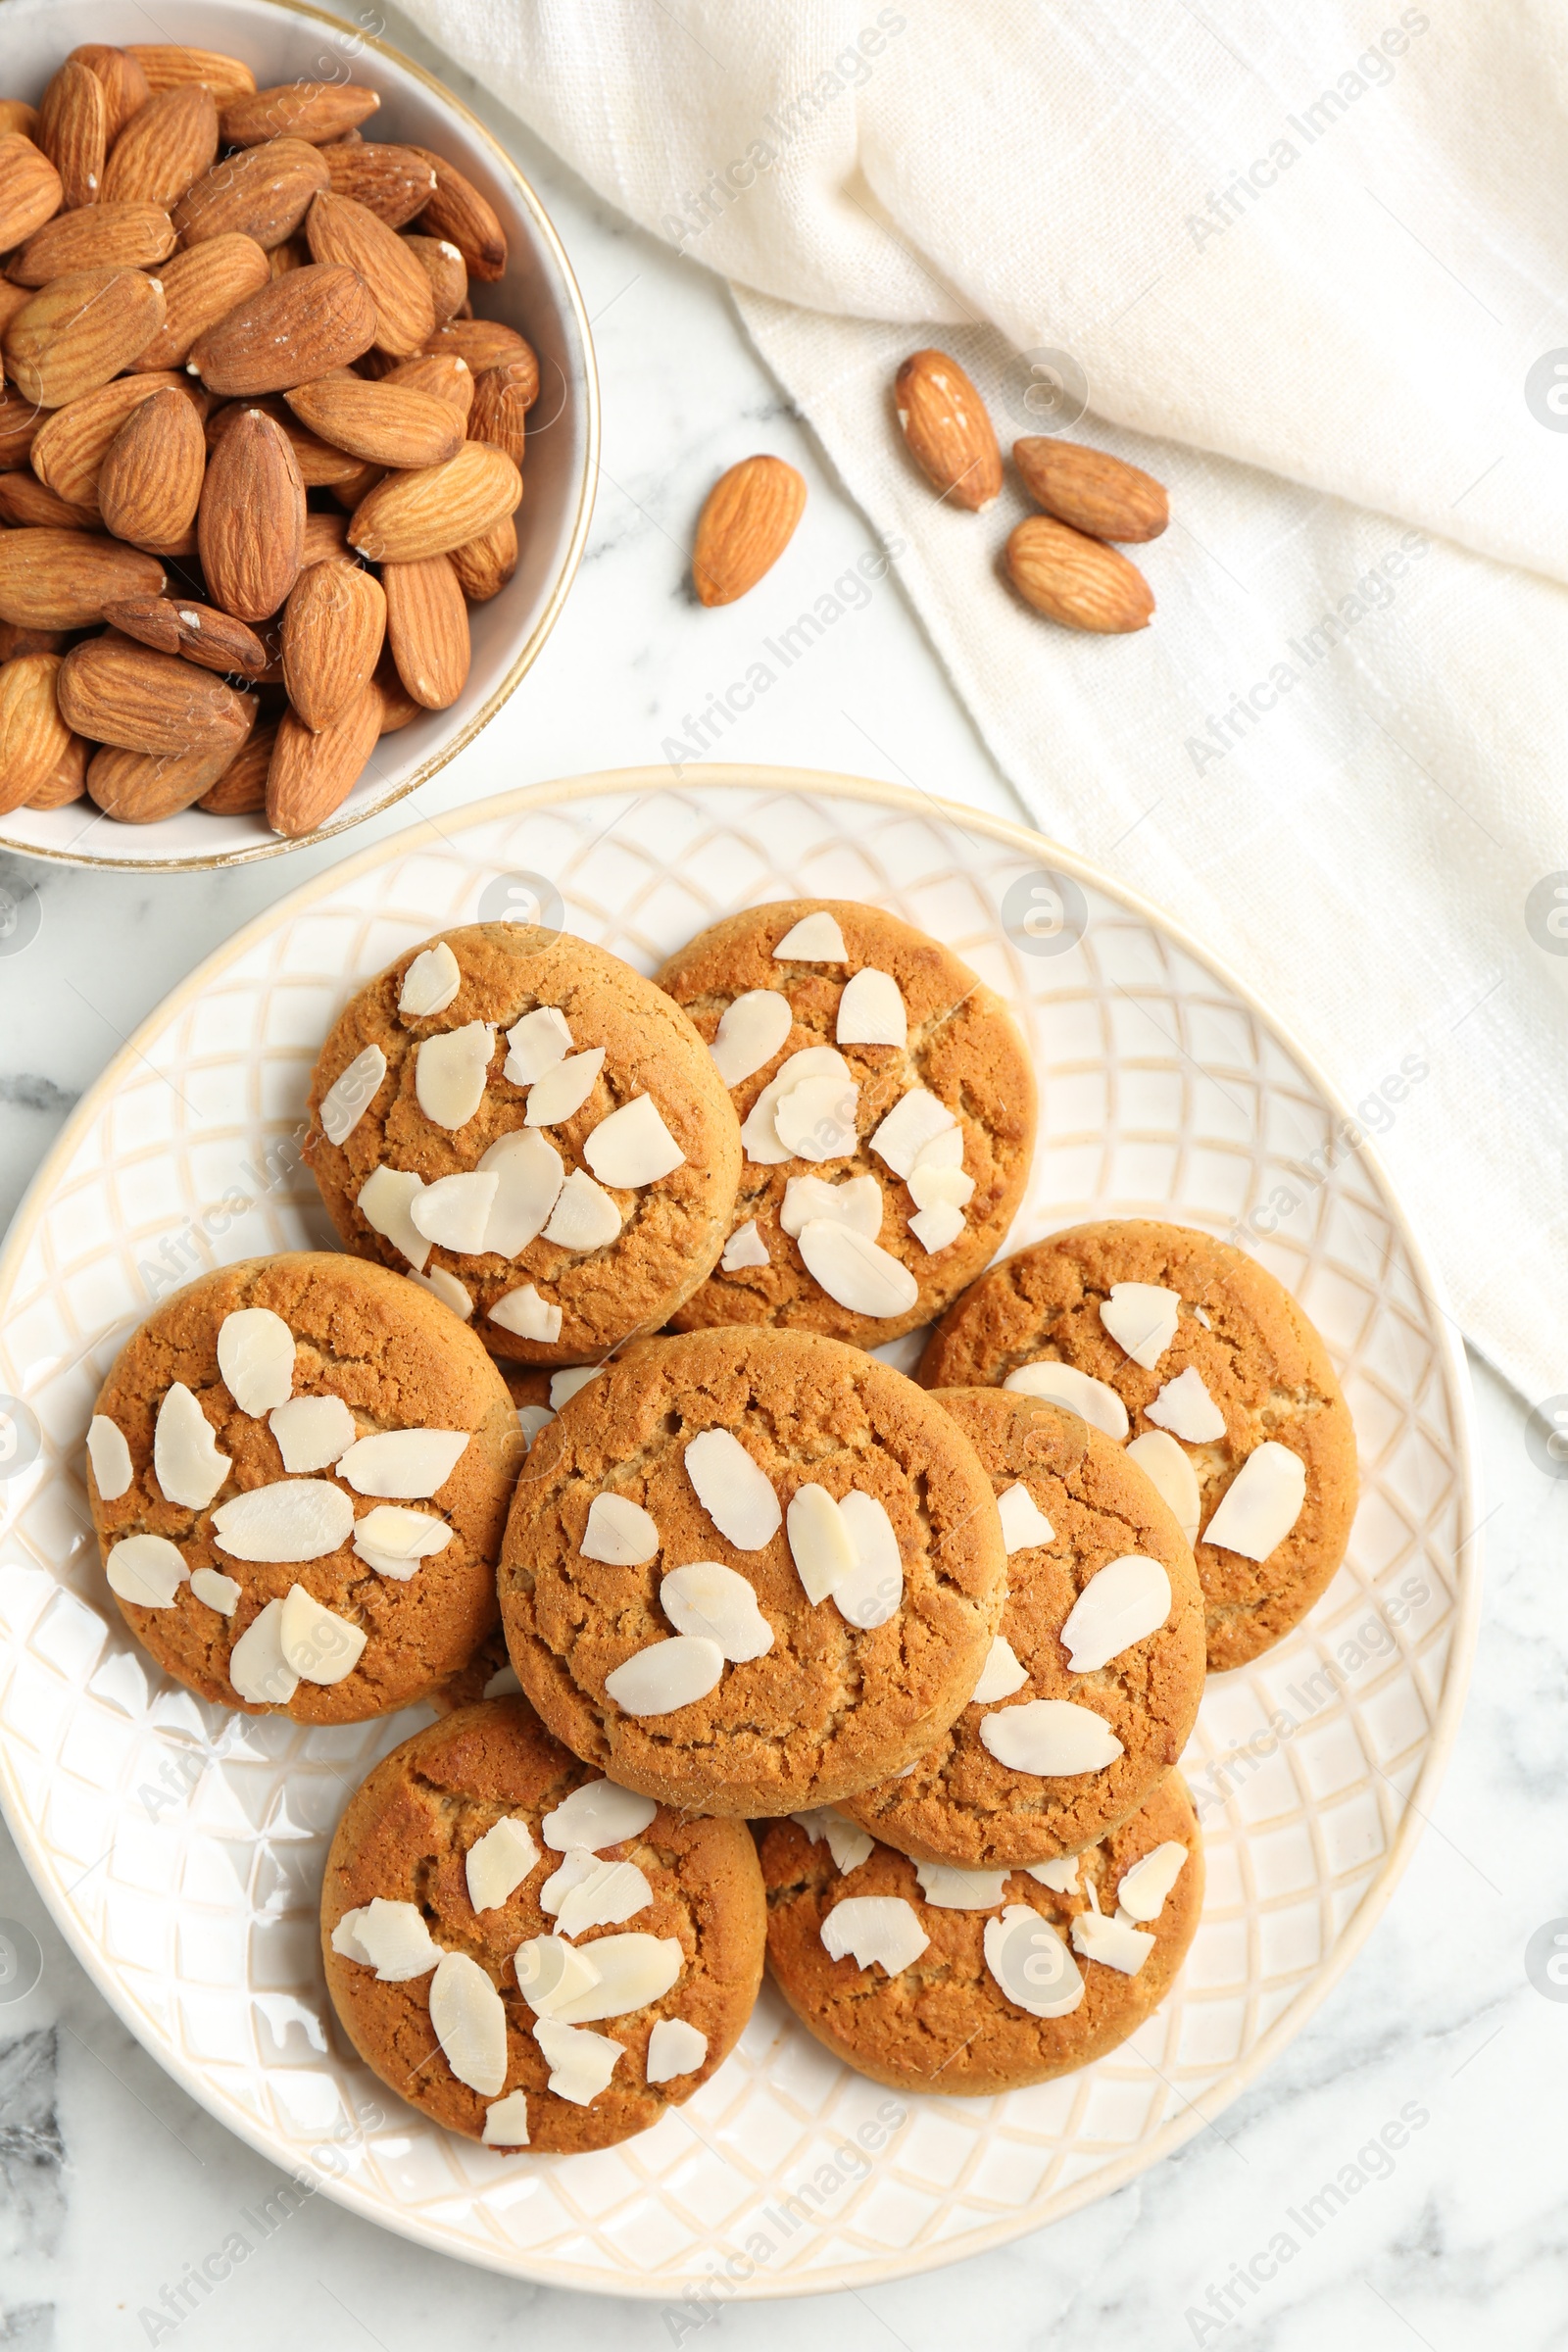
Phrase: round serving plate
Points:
(283, 41)
(180, 1848)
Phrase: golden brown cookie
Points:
(745, 1453)
(953, 1087)
(954, 2002)
(963, 1803)
(254, 1414)
(664, 1900)
(1218, 1381)
(561, 1238)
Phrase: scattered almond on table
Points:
(746, 524)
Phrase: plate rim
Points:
(910, 2262)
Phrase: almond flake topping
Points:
(949, 1889)
(815, 1119)
(667, 1675)
(312, 1432)
(564, 1384)
(469, 2019)
(940, 1185)
(938, 1227)
(551, 1973)
(633, 1145)
(450, 1072)
(580, 2064)
(1140, 1317)
(1172, 1476)
(821, 1544)
(563, 1089)
(596, 1895)
(876, 1931)
(1143, 1887)
(496, 1864)
(857, 1272)
(1185, 1408)
(535, 1043)
(449, 1290)
(393, 1541)
(810, 1199)
(1262, 1502)
(759, 1133)
(1114, 1943)
(454, 1210)
(631, 1971)
(351, 1093)
(849, 1845)
(585, 1217)
(531, 1318)
(737, 1495)
(216, 1591)
(1049, 1737)
(1001, 1675)
(185, 1456)
(707, 1598)
(290, 1520)
(814, 939)
(1059, 1874)
(1032, 1964)
(255, 1357)
(256, 1666)
(915, 1120)
(1024, 1524)
(110, 1457)
(385, 1200)
(871, 1011)
(506, 2121)
(412, 1464)
(745, 1248)
(393, 1939)
(1093, 1400)
(1122, 1603)
(620, 1532)
(145, 1570)
(529, 1173)
(430, 983)
(320, 1646)
(599, 1813)
(870, 1594)
(674, 2048)
(751, 1032)
(531, 1419)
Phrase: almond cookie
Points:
(889, 1115)
(535, 1131)
(299, 1471)
(527, 1953)
(1187, 1349)
(747, 1571)
(977, 1981)
(1092, 1684)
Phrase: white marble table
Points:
(112, 2182)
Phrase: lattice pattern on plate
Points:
(182, 1849)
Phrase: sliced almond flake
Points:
(1142, 1318)
(563, 1089)
(611, 1894)
(580, 2064)
(705, 1597)
(821, 1544)
(469, 2019)
(871, 1011)
(1024, 1524)
(599, 1813)
(1203, 1318)
(1001, 1675)
(393, 1541)
(531, 1419)
(857, 1272)
(551, 1973)
(1060, 1875)
(751, 1032)
(385, 1199)
(1145, 1886)
(530, 1316)
(320, 1646)
(1262, 1502)
(503, 1684)
(632, 1970)
(814, 939)
(256, 1666)
(393, 1939)
(876, 1931)
(110, 1456)
(1185, 1408)
(620, 1532)
(449, 1290)
(536, 1044)
(585, 1217)
(1052, 1737)
(760, 1134)
(674, 2048)
(454, 1210)
(430, 983)
(737, 1495)
(633, 1145)
(1093, 1400)
(576, 1867)
(345, 1936)
(351, 1093)
(869, 1593)
(810, 1199)
(529, 1173)
(667, 1675)
(564, 1384)
(745, 1248)
(940, 1187)
(1123, 1602)
(949, 1889)
(815, 1120)
(312, 1432)
(942, 1151)
(410, 1464)
(1032, 1964)
(496, 1864)
(938, 1227)
(450, 1073)
(506, 2121)
(255, 1357)
(1171, 1475)
(849, 1845)
(216, 1591)
(914, 1120)
(292, 1519)
(186, 1458)
(1114, 1942)
(145, 1570)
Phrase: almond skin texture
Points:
(21, 424)
(175, 624)
(16, 114)
(381, 424)
(392, 183)
(317, 111)
(241, 789)
(168, 143)
(1077, 580)
(34, 735)
(412, 515)
(122, 80)
(63, 580)
(168, 66)
(747, 523)
(397, 706)
(251, 523)
(100, 236)
(443, 265)
(151, 480)
(441, 372)
(949, 434)
(200, 287)
(79, 331)
(337, 229)
(1090, 490)
(502, 398)
(264, 194)
(139, 787)
(145, 701)
(324, 535)
(485, 565)
(30, 189)
(67, 780)
(292, 330)
(321, 466)
(333, 627)
(313, 774)
(12, 300)
(73, 132)
(427, 630)
(485, 343)
(26, 503)
(14, 641)
(465, 218)
(70, 446)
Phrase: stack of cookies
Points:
(742, 1642)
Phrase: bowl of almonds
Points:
(298, 426)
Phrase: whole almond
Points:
(427, 630)
(100, 236)
(63, 580)
(333, 627)
(175, 624)
(465, 218)
(67, 780)
(1077, 580)
(251, 522)
(70, 446)
(145, 701)
(169, 65)
(392, 183)
(31, 192)
(747, 523)
(16, 115)
(290, 331)
(139, 788)
(20, 422)
(25, 504)
(502, 398)
(321, 466)
(324, 535)
(200, 287)
(411, 515)
(241, 789)
(34, 735)
(337, 229)
(78, 331)
(314, 771)
(168, 143)
(380, 424)
(74, 131)
(443, 265)
(449, 379)
(485, 565)
(122, 80)
(397, 706)
(264, 193)
(151, 479)
(1093, 491)
(949, 434)
(483, 343)
(12, 300)
(317, 111)
(351, 493)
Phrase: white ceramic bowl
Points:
(284, 42)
